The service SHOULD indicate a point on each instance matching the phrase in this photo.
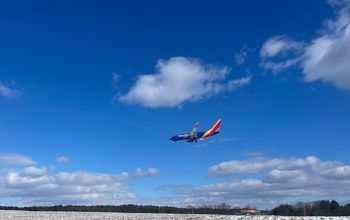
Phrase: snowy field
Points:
(24, 215)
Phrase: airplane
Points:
(194, 136)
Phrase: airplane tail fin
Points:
(213, 130)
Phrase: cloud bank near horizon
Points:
(260, 181)
(266, 182)
(21, 178)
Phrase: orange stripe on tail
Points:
(214, 129)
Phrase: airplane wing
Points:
(194, 130)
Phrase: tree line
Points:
(130, 208)
(316, 208)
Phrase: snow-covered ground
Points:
(24, 215)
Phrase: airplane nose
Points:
(172, 138)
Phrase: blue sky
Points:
(91, 91)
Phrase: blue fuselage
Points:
(188, 137)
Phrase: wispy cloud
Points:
(8, 92)
(178, 80)
(16, 159)
(254, 154)
(115, 79)
(278, 45)
(237, 83)
(280, 52)
(242, 55)
(63, 159)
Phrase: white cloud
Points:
(269, 181)
(237, 167)
(278, 45)
(34, 185)
(38, 185)
(257, 164)
(281, 46)
(178, 80)
(34, 171)
(237, 83)
(8, 92)
(15, 159)
(325, 58)
(63, 159)
(276, 67)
